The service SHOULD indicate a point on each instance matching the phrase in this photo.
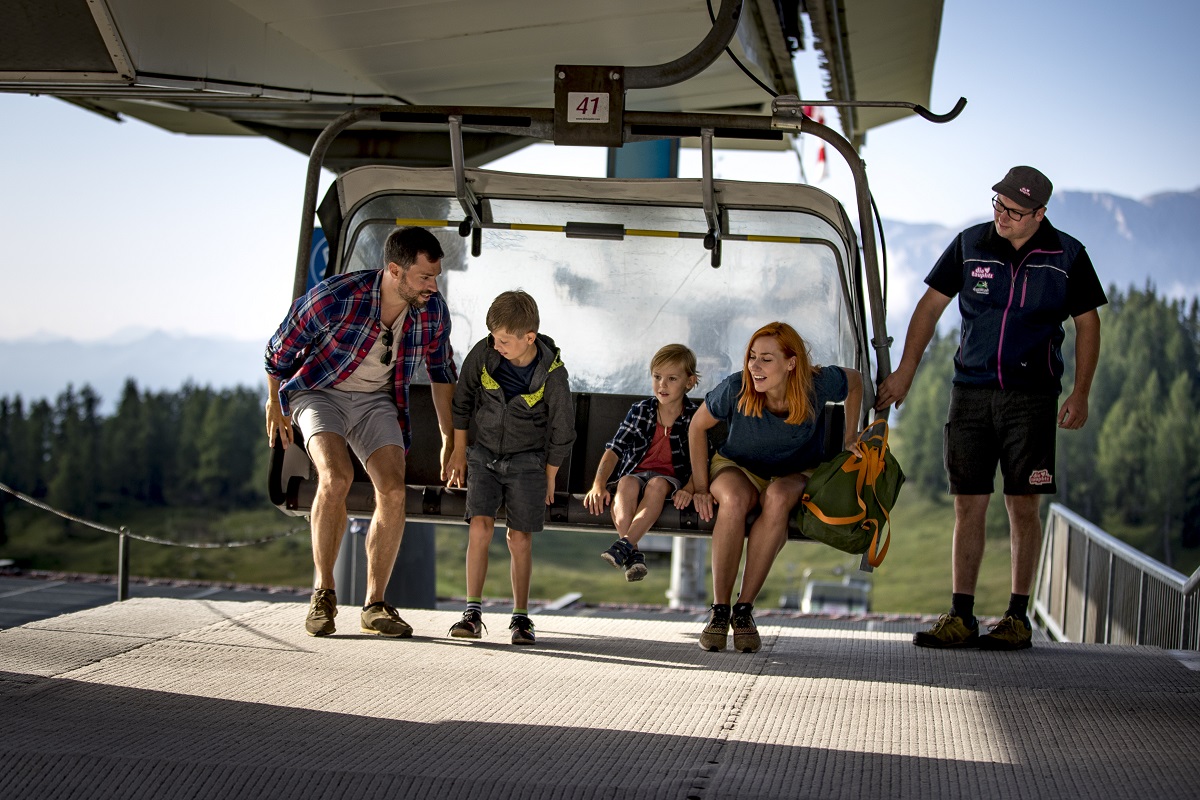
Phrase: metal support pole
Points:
(413, 583)
(688, 558)
(122, 567)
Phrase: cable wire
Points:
(713, 19)
(123, 531)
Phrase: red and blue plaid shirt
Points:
(329, 331)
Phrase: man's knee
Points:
(335, 479)
(386, 468)
(1024, 507)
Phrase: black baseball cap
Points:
(1027, 186)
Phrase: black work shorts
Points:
(1016, 430)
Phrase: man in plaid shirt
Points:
(340, 366)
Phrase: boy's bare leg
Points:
(335, 474)
(478, 542)
(648, 510)
(735, 496)
(520, 550)
(768, 534)
(625, 503)
(385, 467)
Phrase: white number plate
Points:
(587, 107)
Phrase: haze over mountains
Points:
(1155, 239)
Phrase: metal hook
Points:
(712, 212)
(466, 196)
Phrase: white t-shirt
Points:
(371, 374)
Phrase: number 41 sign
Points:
(587, 107)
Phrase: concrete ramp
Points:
(157, 698)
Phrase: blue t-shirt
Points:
(766, 445)
(514, 380)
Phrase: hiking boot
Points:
(618, 554)
(1009, 633)
(321, 611)
(716, 632)
(745, 632)
(469, 627)
(522, 630)
(635, 566)
(381, 619)
(948, 631)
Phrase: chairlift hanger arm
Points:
(916, 108)
(693, 63)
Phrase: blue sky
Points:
(117, 227)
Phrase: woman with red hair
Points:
(772, 409)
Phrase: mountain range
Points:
(1132, 242)
(42, 368)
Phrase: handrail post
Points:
(122, 566)
(1108, 600)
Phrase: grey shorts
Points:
(366, 420)
(1016, 430)
(644, 477)
(518, 481)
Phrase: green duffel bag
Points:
(848, 499)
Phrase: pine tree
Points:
(125, 473)
(1172, 465)
(922, 417)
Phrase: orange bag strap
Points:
(873, 466)
(869, 467)
(849, 465)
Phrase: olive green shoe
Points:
(716, 633)
(381, 619)
(745, 632)
(321, 611)
(1009, 633)
(948, 631)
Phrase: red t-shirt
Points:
(658, 456)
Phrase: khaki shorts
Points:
(366, 420)
(720, 463)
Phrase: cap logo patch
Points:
(1024, 191)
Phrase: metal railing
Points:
(1094, 588)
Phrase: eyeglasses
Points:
(386, 358)
(1013, 213)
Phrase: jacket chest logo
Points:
(981, 287)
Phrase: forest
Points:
(196, 447)
(1136, 461)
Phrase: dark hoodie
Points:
(542, 420)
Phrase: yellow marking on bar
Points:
(519, 226)
(425, 223)
(663, 234)
(779, 239)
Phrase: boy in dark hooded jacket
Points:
(515, 386)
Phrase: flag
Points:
(817, 115)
